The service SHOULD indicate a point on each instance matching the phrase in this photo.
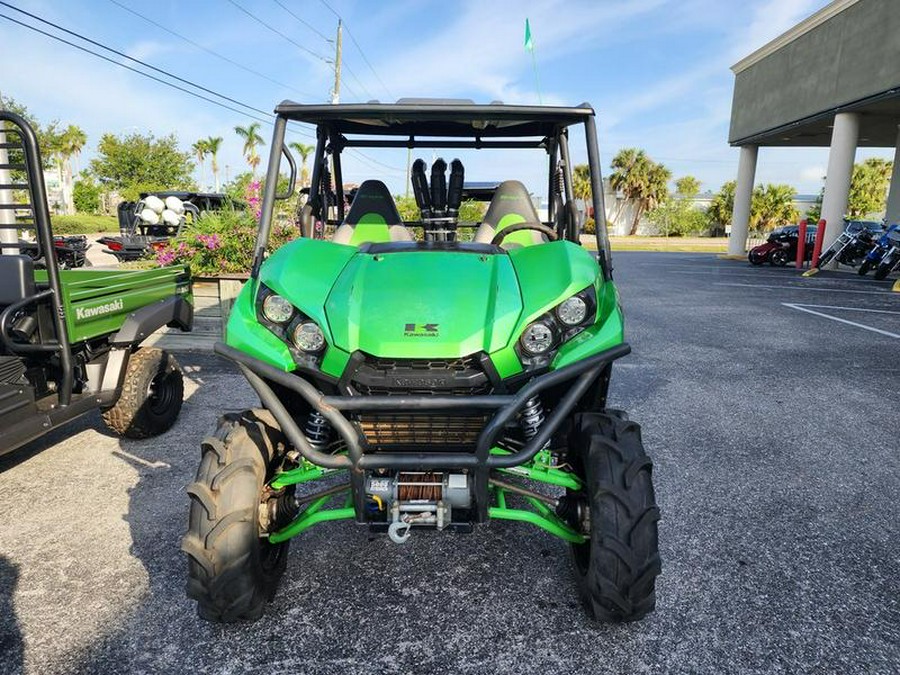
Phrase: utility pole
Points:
(8, 232)
(336, 92)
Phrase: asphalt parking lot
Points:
(769, 404)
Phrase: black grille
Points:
(420, 377)
(412, 431)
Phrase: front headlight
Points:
(308, 337)
(538, 338)
(277, 309)
(572, 311)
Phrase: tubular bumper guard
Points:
(479, 463)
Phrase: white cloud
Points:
(812, 173)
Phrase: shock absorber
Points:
(318, 430)
(532, 417)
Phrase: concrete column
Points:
(743, 193)
(8, 234)
(892, 214)
(844, 137)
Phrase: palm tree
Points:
(641, 180)
(64, 145)
(252, 139)
(581, 183)
(771, 206)
(304, 152)
(687, 187)
(213, 143)
(201, 149)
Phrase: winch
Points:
(425, 498)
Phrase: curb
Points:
(731, 256)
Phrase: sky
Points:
(656, 71)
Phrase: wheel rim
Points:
(160, 394)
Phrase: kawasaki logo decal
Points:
(420, 330)
(82, 313)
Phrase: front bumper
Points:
(479, 462)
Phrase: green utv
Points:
(70, 339)
(413, 376)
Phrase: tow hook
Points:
(399, 532)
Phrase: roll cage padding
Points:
(373, 217)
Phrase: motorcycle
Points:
(70, 250)
(878, 251)
(890, 258)
(852, 245)
(781, 246)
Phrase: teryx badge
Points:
(420, 330)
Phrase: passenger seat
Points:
(373, 218)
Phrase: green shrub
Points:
(221, 242)
(83, 223)
(86, 195)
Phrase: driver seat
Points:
(373, 218)
(510, 204)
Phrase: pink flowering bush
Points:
(222, 242)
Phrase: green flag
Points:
(529, 42)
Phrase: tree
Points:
(676, 214)
(138, 163)
(641, 180)
(47, 136)
(721, 208)
(304, 151)
(814, 213)
(213, 145)
(868, 187)
(201, 149)
(252, 139)
(581, 183)
(69, 145)
(687, 187)
(771, 206)
(86, 194)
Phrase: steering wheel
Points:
(525, 225)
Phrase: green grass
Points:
(671, 244)
(84, 224)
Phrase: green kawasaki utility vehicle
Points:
(70, 339)
(411, 380)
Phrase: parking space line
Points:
(847, 309)
(885, 293)
(840, 320)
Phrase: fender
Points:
(173, 311)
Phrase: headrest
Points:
(373, 199)
(510, 198)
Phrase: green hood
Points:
(424, 304)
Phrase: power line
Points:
(208, 50)
(278, 32)
(363, 55)
(135, 70)
(359, 49)
(172, 85)
(131, 58)
(303, 21)
(353, 75)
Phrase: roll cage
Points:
(413, 123)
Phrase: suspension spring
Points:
(532, 417)
(318, 430)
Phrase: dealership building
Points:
(831, 81)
